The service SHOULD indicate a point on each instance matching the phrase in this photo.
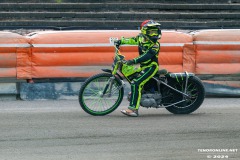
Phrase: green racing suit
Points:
(148, 60)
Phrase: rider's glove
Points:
(117, 43)
(130, 62)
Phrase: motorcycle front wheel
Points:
(97, 99)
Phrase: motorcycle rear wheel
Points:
(195, 89)
(91, 96)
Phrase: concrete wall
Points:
(126, 14)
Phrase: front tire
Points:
(195, 89)
(91, 96)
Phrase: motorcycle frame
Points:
(185, 95)
(159, 82)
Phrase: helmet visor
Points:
(153, 32)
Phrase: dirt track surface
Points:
(61, 130)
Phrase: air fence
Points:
(53, 64)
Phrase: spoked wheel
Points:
(95, 96)
(195, 90)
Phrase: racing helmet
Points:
(151, 29)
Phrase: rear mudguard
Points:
(180, 75)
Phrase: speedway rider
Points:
(149, 47)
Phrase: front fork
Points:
(109, 86)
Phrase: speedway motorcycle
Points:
(179, 93)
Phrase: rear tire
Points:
(90, 98)
(195, 89)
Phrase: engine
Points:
(151, 100)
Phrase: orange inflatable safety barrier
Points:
(56, 54)
(72, 53)
(83, 53)
(172, 55)
(217, 51)
(14, 56)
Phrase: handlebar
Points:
(117, 47)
